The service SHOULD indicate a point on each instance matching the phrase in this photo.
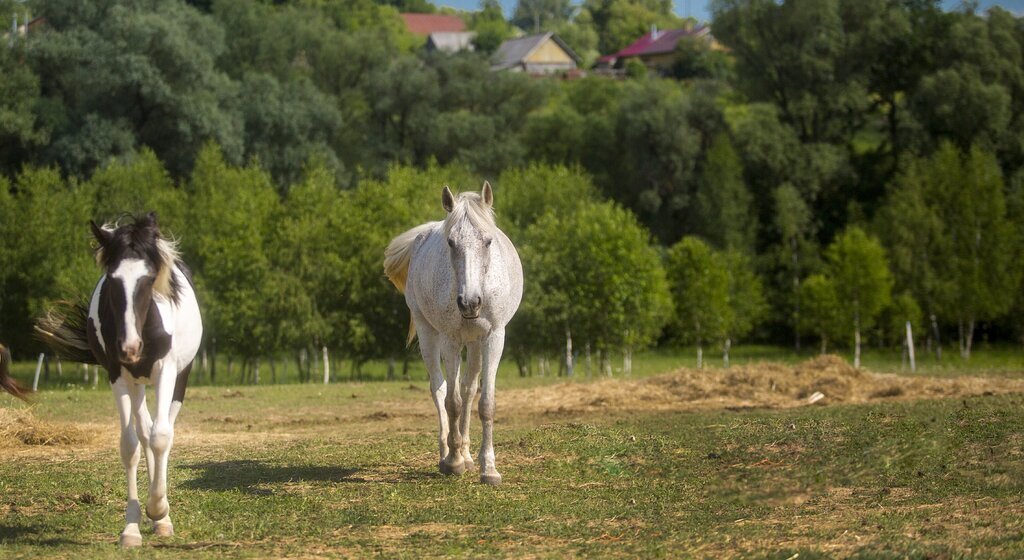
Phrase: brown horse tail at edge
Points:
(63, 330)
(7, 383)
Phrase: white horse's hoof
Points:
(130, 540)
(456, 469)
(492, 479)
(163, 528)
(470, 465)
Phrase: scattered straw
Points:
(762, 385)
(21, 427)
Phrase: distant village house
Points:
(541, 54)
(657, 49)
(444, 33)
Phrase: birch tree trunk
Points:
(568, 352)
(256, 372)
(794, 246)
(969, 339)
(327, 366)
(588, 360)
(725, 353)
(700, 355)
(938, 339)
(910, 348)
(856, 340)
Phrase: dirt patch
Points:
(21, 427)
(761, 385)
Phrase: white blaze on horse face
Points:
(129, 272)
(470, 256)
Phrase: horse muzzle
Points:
(469, 306)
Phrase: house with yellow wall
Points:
(540, 54)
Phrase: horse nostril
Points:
(478, 302)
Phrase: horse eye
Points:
(451, 243)
(488, 242)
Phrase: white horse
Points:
(143, 326)
(463, 281)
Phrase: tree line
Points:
(840, 168)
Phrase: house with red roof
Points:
(425, 24)
(657, 49)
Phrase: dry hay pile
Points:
(769, 385)
(21, 427)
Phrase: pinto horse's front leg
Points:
(124, 398)
(161, 439)
(493, 346)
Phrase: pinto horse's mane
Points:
(470, 206)
(141, 235)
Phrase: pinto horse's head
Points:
(138, 262)
(470, 230)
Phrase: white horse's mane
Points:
(470, 206)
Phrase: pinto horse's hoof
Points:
(493, 479)
(130, 540)
(470, 465)
(163, 528)
(455, 469)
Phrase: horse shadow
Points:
(30, 534)
(249, 475)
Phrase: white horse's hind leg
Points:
(161, 439)
(453, 463)
(492, 348)
(130, 536)
(470, 382)
(430, 349)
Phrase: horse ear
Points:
(487, 194)
(102, 236)
(151, 219)
(447, 199)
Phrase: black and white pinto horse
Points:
(143, 326)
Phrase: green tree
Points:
(972, 207)
(747, 305)
(45, 256)
(856, 264)
(119, 76)
(536, 16)
(724, 207)
(700, 287)
(594, 276)
(621, 22)
(490, 26)
(822, 314)
(232, 211)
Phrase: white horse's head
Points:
(470, 231)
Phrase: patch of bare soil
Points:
(21, 427)
(760, 385)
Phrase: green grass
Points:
(349, 470)
(1002, 360)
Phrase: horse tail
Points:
(7, 383)
(396, 262)
(64, 330)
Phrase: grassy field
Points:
(998, 360)
(603, 468)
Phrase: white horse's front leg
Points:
(161, 438)
(453, 463)
(130, 536)
(493, 345)
(470, 382)
(430, 349)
